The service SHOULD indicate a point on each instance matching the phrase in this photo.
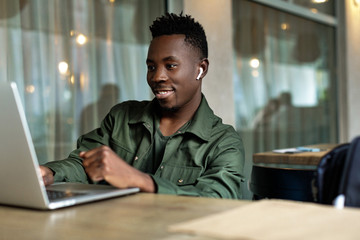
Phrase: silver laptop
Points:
(21, 183)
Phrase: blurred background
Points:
(283, 73)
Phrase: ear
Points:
(203, 68)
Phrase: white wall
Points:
(215, 16)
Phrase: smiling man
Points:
(173, 144)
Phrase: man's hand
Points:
(103, 164)
(47, 175)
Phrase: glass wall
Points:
(284, 77)
(72, 61)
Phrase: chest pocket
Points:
(180, 175)
(123, 152)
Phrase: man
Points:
(173, 144)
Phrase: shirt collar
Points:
(201, 123)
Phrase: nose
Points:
(158, 75)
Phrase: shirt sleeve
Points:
(68, 170)
(71, 168)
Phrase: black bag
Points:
(350, 180)
(337, 178)
(328, 175)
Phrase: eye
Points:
(171, 66)
(150, 68)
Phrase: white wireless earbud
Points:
(201, 72)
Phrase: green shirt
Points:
(206, 159)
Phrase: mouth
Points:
(163, 93)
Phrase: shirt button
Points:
(180, 181)
(162, 167)
(136, 158)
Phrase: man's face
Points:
(172, 70)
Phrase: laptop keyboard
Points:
(54, 195)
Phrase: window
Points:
(72, 61)
(284, 78)
(316, 6)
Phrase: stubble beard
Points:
(170, 110)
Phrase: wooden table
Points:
(302, 160)
(140, 216)
(286, 176)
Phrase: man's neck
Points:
(170, 122)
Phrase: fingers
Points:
(47, 175)
(103, 164)
(93, 162)
(93, 158)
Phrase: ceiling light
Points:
(254, 63)
(81, 39)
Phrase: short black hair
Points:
(172, 23)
